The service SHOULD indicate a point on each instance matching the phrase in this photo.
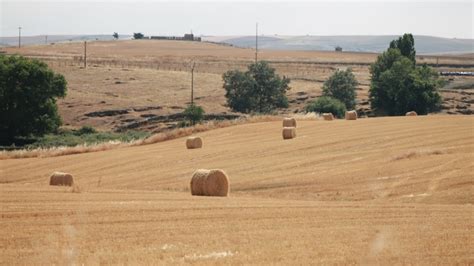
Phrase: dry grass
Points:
(331, 196)
(167, 50)
(76, 189)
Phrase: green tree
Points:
(194, 114)
(115, 35)
(138, 35)
(326, 104)
(406, 45)
(398, 85)
(342, 86)
(28, 93)
(259, 89)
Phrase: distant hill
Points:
(423, 44)
(41, 39)
(379, 43)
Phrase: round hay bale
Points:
(328, 116)
(217, 183)
(61, 179)
(289, 133)
(411, 113)
(212, 182)
(194, 143)
(289, 122)
(351, 115)
(198, 182)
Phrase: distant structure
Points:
(338, 49)
(186, 37)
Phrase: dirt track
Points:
(382, 190)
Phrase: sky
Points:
(450, 19)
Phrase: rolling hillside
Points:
(135, 80)
(52, 39)
(423, 44)
(381, 190)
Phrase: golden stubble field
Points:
(373, 191)
(144, 78)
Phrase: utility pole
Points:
(192, 83)
(85, 54)
(45, 39)
(19, 37)
(256, 43)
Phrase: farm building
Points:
(186, 37)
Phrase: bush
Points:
(138, 35)
(194, 114)
(259, 89)
(398, 85)
(86, 130)
(71, 138)
(327, 104)
(342, 86)
(28, 93)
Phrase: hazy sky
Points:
(441, 18)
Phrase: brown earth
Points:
(392, 190)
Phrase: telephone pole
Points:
(19, 37)
(192, 83)
(85, 54)
(256, 43)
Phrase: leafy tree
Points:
(194, 113)
(239, 93)
(342, 86)
(398, 85)
(138, 36)
(28, 93)
(115, 35)
(259, 89)
(406, 45)
(326, 104)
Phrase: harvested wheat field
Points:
(393, 190)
